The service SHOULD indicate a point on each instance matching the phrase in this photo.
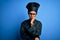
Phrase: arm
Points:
(22, 31)
(36, 31)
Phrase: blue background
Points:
(13, 12)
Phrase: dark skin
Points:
(32, 16)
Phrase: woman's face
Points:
(32, 15)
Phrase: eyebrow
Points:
(32, 13)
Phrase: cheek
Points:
(34, 15)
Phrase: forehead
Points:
(32, 12)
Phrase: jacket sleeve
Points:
(22, 32)
(36, 30)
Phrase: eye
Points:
(32, 13)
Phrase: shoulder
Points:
(25, 21)
(38, 22)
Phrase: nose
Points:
(31, 15)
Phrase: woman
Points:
(31, 28)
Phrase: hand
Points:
(36, 38)
(32, 20)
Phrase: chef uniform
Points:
(28, 32)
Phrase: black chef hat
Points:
(32, 6)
